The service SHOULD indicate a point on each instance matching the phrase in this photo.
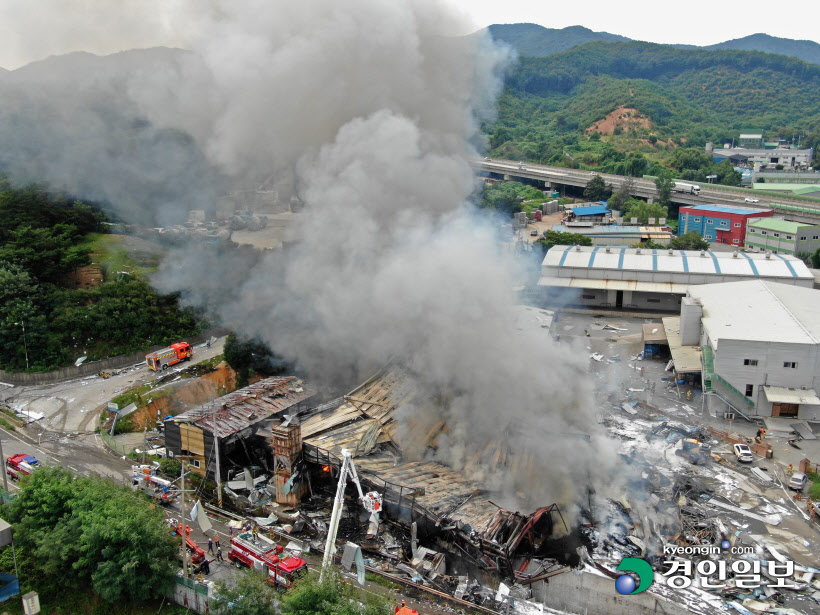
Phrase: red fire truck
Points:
(281, 572)
(175, 353)
(197, 552)
(21, 464)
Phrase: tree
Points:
(664, 184)
(624, 193)
(82, 531)
(250, 596)
(815, 259)
(554, 238)
(248, 356)
(596, 189)
(689, 241)
(643, 211)
(332, 597)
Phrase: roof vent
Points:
(638, 251)
(768, 255)
(577, 248)
(736, 254)
(702, 253)
(608, 250)
(671, 252)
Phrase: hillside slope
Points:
(532, 40)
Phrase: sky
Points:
(33, 31)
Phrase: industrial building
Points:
(588, 213)
(761, 345)
(782, 236)
(654, 279)
(791, 189)
(719, 223)
(618, 235)
(241, 421)
(787, 157)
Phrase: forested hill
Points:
(532, 40)
(649, 98)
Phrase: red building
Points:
(719, 223)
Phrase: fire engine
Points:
(175, 353)
(281, 572)
(144, 478)
(20, 465)
(197, 552)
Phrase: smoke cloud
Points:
(368, 112)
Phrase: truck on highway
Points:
(686, 188)
(281, 572)
(161, 359)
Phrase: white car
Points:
(797, 481)
(751, 199)
(743, 453)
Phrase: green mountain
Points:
(532, 40)
(809, 51)
(649, 99)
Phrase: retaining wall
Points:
(93, 367)
(590, 594)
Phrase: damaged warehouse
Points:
(426, 497)
(240, 421)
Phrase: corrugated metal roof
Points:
(725, 209)
(676, 261)
(247, 406)
(654, 332)
(591, 210)
(785, 395)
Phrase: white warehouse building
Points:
(760, 343)
(603, 276)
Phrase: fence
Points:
(115, 446)
(94, 367)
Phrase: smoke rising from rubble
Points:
(368, 111)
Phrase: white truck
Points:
(686, 188)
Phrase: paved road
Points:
(74, 406)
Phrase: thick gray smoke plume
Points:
(368, 112)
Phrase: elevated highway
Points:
(791, 208)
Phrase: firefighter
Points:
(210, 545)
(790, 470)
(216, 540)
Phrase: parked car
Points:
(743, 453)
(751, 199)
(534, 233)
(487, 158)
(798, 481)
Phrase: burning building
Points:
(439, 505)
(239, 421)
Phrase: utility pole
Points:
(5, 474)
(216, 452)
(22, 323)
(184, 534)
(144, 440)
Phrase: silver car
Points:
(743, 453)
(798, 481)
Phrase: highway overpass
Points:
(791, 208)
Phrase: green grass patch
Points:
(6, 425)
(111, 254)
(814, 485)
(380, 580)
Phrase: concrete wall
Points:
(665, 302)
(590, 594)
(803, 241)
(770, 356)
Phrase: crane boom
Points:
(372, 502)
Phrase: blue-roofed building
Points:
(589, 213)
(719, 223)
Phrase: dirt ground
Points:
(623, 117)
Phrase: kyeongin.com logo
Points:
(625, 584)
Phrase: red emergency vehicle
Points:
(175, 353)
(197, 552)
(282, 572)
(21, 464)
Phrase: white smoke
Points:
(368, 111)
